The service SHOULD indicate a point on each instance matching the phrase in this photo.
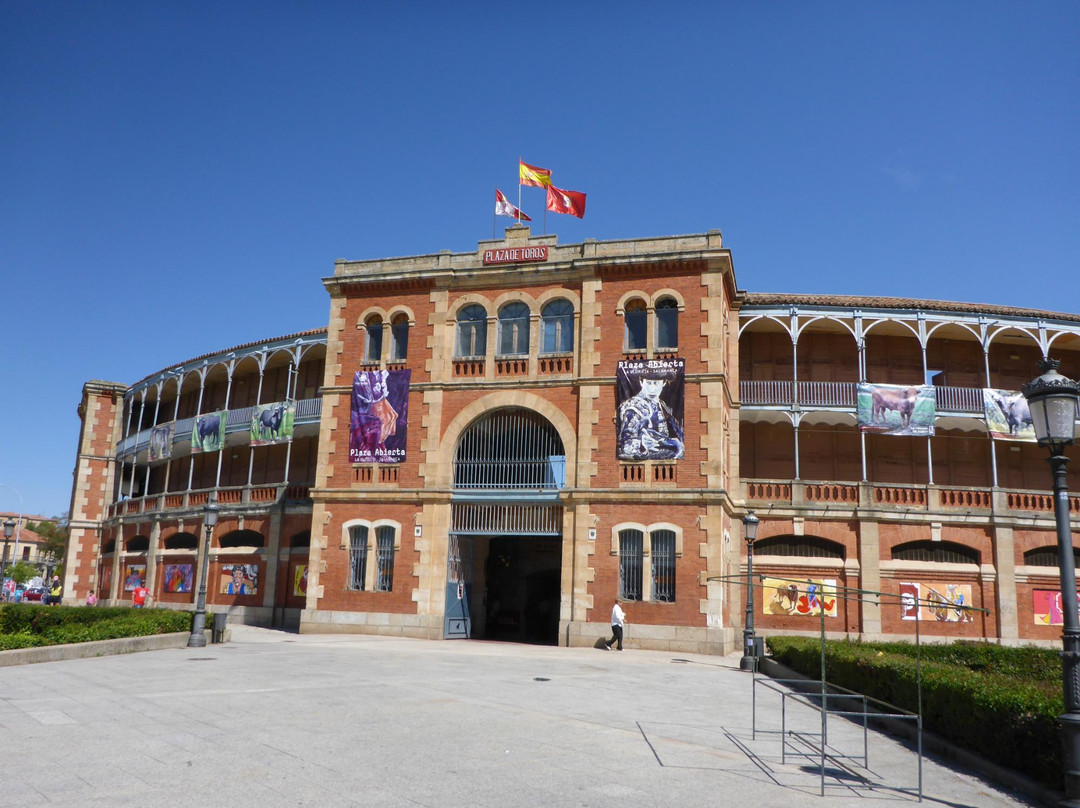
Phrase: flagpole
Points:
(519, 182)
(495, 216)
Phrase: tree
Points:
(55, 534)
(22, 572)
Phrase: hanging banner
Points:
(272, 423)
(208, 432)
(239, 579)
(134, 576)
(379, 419)
(300, 580)
(179, 577)
(649, 405)
(893, 409)
(941, 603)
(1046, 606)
(161, 441)
(809, 597)
(1007, 415)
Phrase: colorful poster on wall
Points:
(272, 423)
(649, 409)
(239, 579)
(208, 432)
(161, 441)
(1007, 415)
(300, 580)
(379, 418)
(134, 575)
(179, 577)
(1046, 606)
(893, 409)
(938, 602)
(803, 597)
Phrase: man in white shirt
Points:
(618, 620)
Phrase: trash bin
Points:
(759, 647)
(219, 627)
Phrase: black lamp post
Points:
(9, 528)
(749, 657)
(1054, 401)
(198, 624)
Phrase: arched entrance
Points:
(505, 550)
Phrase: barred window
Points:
(630, 562)
(557, 319)
(636, 320)
(399, 338)
(1047, 557)
(663, 565)
(471, 332)
(514, 330)
(940, 552)
(799, 547)
(373, 350)
(357, 556)
(667, 323)
(384, 549)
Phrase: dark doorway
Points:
(521, 590)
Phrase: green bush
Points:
(1001, 703)
(25, 625)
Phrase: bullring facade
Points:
(502, 443)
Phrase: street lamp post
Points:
(749, 657)
(198, 624)
(9, 528)
(1054, 401)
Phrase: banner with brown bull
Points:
(893, 409)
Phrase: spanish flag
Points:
(531, 175)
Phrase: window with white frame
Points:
(667, 324)
(514, 330)
(557, 322)
(399, 338)
(663, 565)
(358, 540)
(373, 349)
(471, 332)
(385, 537)
(631, 550)
(636, 317)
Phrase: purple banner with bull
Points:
(1007, 415)
(272, 423)
(893, 409)
(379, 416)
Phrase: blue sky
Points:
(176, 178)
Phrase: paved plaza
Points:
(275, 719)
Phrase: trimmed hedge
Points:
(24, 625)
(1001, 703)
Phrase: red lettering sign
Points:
(516, 255)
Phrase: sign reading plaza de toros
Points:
(516, 255)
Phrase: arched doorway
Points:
(505, 549)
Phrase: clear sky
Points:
(176, 178)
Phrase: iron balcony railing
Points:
(842, 395)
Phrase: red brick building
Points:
(502, 443)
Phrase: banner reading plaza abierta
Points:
(649, 400)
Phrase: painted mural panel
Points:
(1007, 415)
(239, 579)
(379, 417)
(134, 575)
(800, 597)
(179, 577)
(649, 396)
(893, 409)
(937, 602)
(1046, 606)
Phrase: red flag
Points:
(531, 175)
(504, 208)
(560, 201)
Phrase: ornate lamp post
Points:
(198, 624)
(749, 657)
(1054, 401)
(9, 528)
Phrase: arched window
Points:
(384, 558)
(514, 330)
(182, 541)
(940, 552)
(242, 538)
(399, 338)
(557, 321)
(636, 317)
(471, 332)
(799, 547)
(138, 544)
(663, 565)
(357, 556)
(631, 548)
(667, 323)
(373, 349)
(1047, 557)
(510, 448)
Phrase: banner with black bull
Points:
(272, 423)
(649, 397)
(379, 417)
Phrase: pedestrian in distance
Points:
(618, 622)
(139, 595)
(91, 599)
(56, 591)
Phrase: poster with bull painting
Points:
(649, 405)
(893, 409)
(379, 417)
(1007, 415)
(1046, 606)
(208, 432)
(800, 597)
(161, 441)
(938, 602)
(272, 423)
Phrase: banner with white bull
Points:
(1007, 415)
(272, 423)
(208, 432)
(895, 409)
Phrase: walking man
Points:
(618, 621)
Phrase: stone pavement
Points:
(274, 719)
